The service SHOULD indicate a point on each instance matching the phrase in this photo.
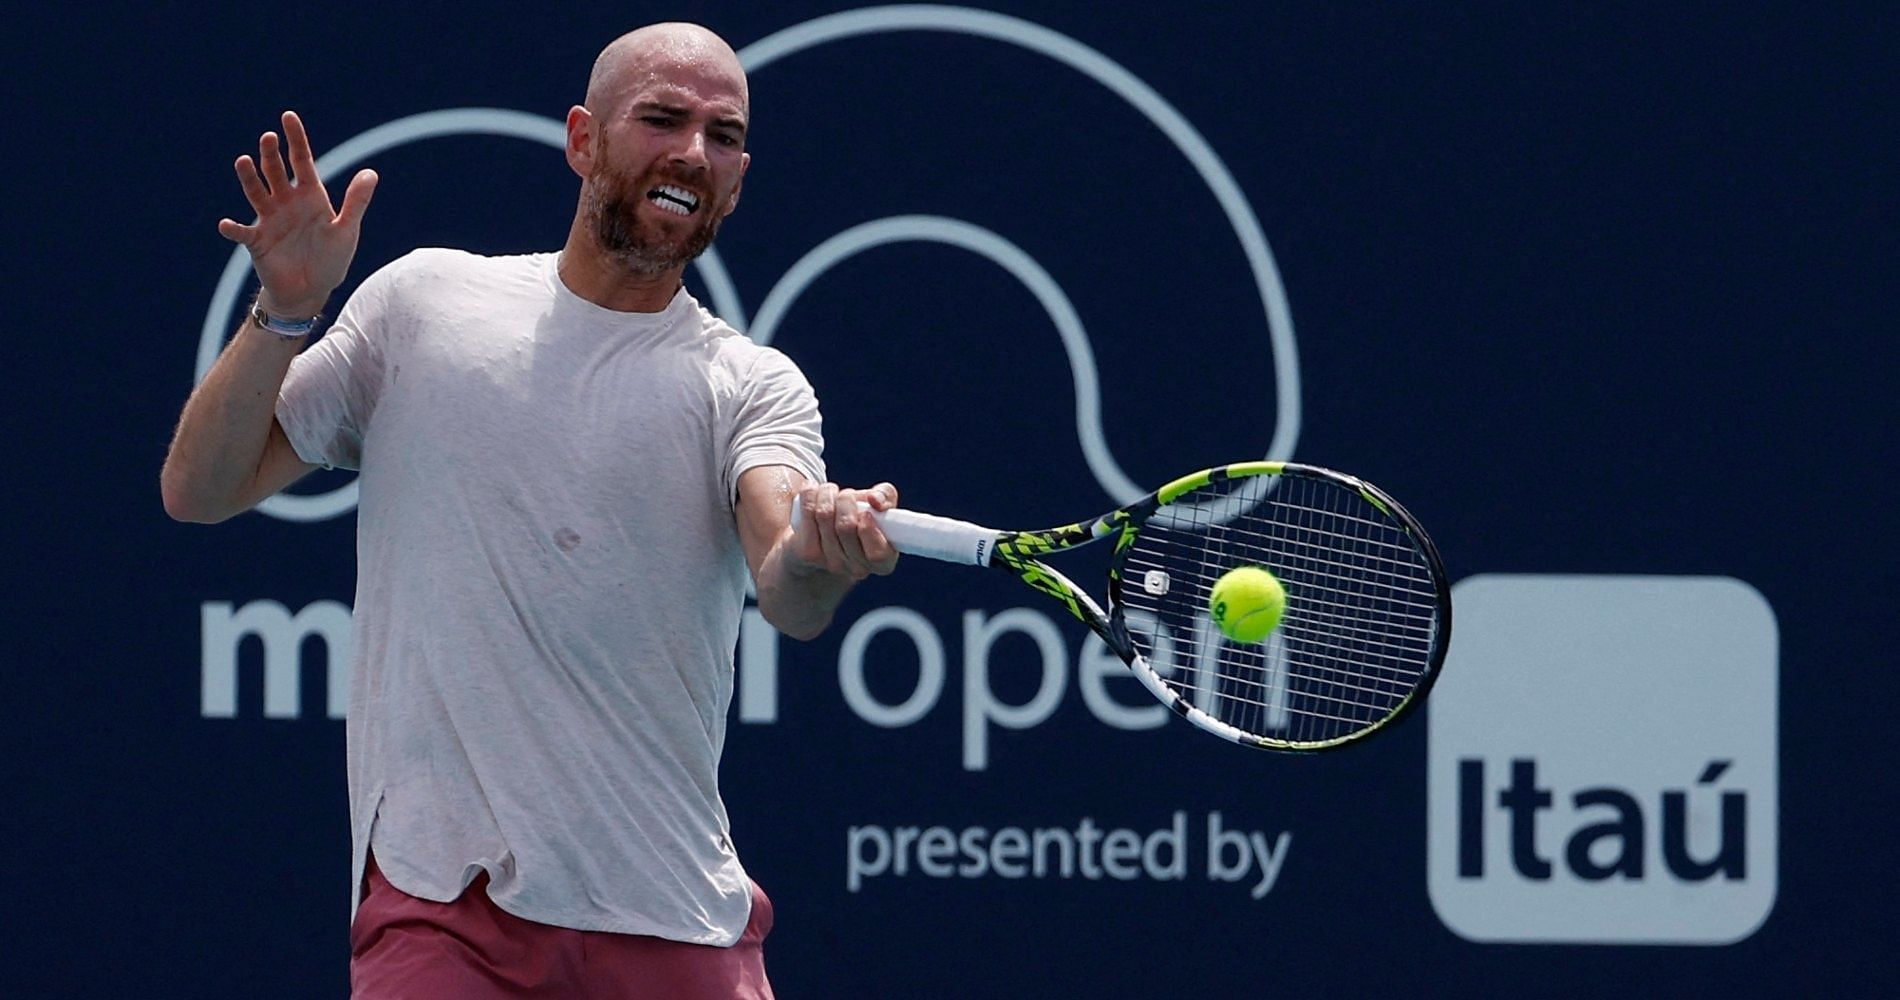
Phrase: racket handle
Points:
(927, 535)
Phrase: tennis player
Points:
(568, 467)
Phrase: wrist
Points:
(291, 310)
(290, 324)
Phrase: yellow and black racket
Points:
(1367, 606)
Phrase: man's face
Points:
(669, 158)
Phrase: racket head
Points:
(1368, 607)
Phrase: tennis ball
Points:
(1247, 603)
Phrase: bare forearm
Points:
(799, 600)
(803, 570)
(227, 455)
(211, 472)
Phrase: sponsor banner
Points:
(1603, 761)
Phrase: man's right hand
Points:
(300, 248)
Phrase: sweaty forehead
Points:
(683, 88)
(685, 66)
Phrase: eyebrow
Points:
(731, 122)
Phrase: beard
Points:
(613, 208)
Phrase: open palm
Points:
(299, 246)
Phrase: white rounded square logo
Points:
(1602, 763)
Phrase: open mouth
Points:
(676, 200)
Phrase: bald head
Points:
(641, 55)
(659, 146)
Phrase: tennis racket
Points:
(1368, 606)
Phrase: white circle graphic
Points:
(957, 233)
(726, 302)
(1110, 74)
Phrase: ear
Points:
(745, 160)
(580, 140)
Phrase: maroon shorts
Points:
(404, 948)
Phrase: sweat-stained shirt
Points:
(549, 584)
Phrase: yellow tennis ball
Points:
(1247, 603)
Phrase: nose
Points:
(691, 152)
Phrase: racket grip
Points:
(926, 535)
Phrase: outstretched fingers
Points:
(302, 160)
(356, 199)
(236, 231)
(300, 245)
(270, 159)
(254, 190)
(255, 193)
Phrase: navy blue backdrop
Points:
(1592, 289)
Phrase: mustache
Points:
(621, 232)
(694, 182)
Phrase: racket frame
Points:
(1020, 554)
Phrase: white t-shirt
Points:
(549, 581)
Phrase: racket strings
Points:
(1242, 681)
(1418, 613)
(1361, 617)
(1323, 545)
(1325, 664)
(1421, 617)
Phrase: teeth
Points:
(677, 200)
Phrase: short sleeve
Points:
(776, 423)
(331, 390)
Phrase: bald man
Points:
(568, 469)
